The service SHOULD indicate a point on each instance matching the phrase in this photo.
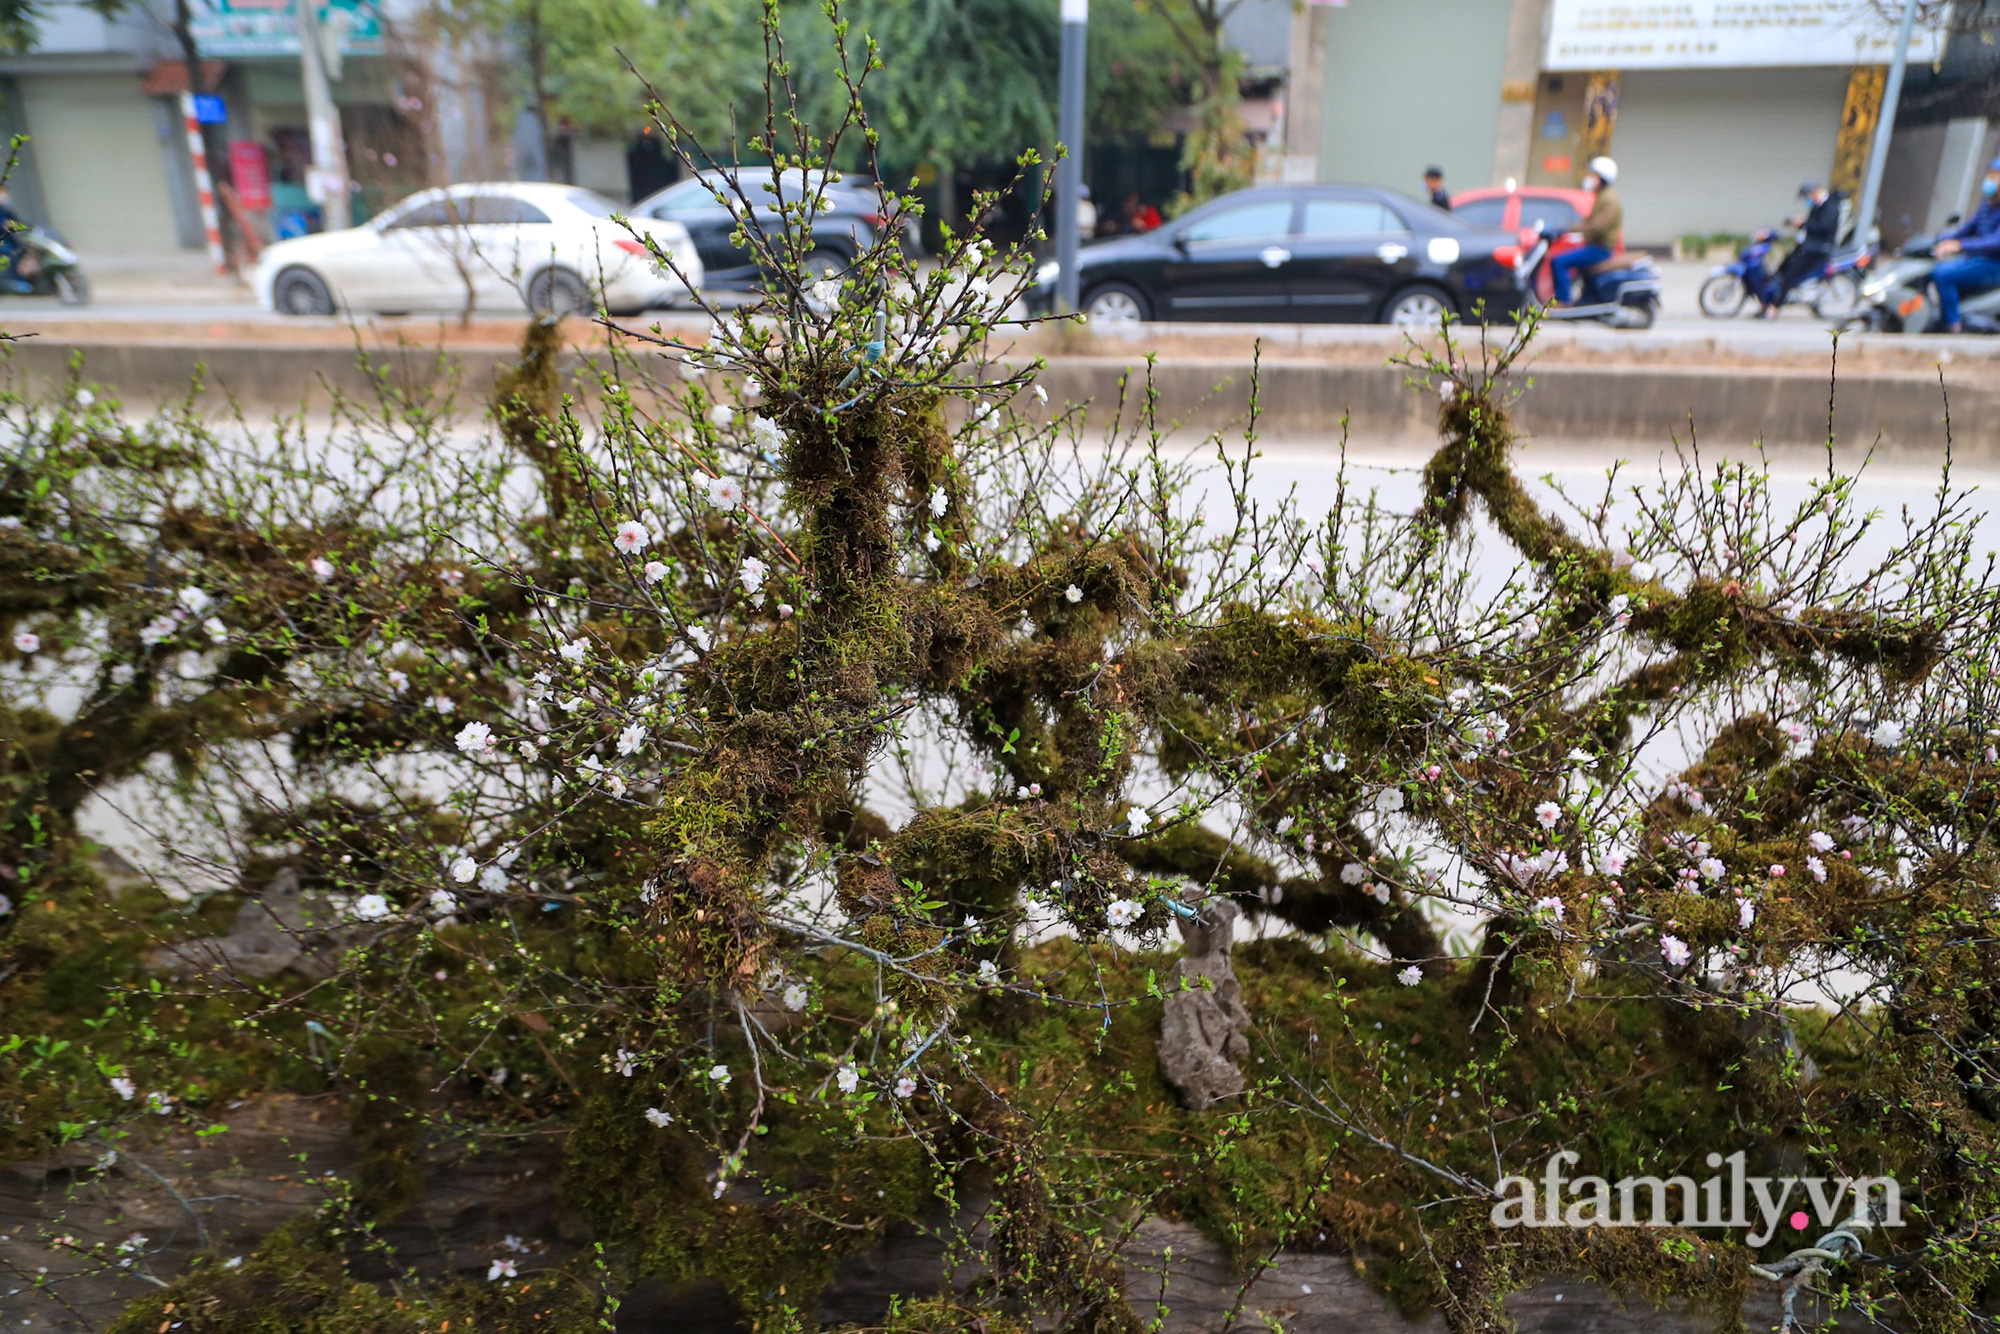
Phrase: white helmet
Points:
(1606, 169)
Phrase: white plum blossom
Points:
(464, 869)
(322, 568)
(848, 1078)
(723, 493)
(626, 1062)
(932, 541)
(84, 398)
(1675, 951)
(1137, 820)
(124, 1088)
(1551, 907)
(1746, 913)
(1122, 912)
(718, 1074)
(1643, 571)
(576, 650)
(766, 433)
(475, 739)
(530, 751)
(158, 1103)
(1410, 976)
(632, 537)
(1041, 394)
(444, 704)
(195, 601)
(905, 1087)
(443, 902)
(493, 880)
(753, 574)
(27, 641)
(1388, 801)
(215, 629)
(1819, 841)
(1712, 869)
(1547, 814)
(989, 973)
(1888, 734)
(1379, 891)
(158, 630)
(721, 415)
(655, 571)
(1611, 863)
(500, 1269)
(658, 1118)
(939, 500)
(794, 997)
(122, 674)
(371, 907)
(631, 739)
(1353, 873)
(1817, 868)
(1333, 761)
(1073, 594)
(398, 681)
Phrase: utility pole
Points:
(328, 182)
(1885, 125)
(1069, 172)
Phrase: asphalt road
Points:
(184, 293)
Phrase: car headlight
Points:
(1047, 273)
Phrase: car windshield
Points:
(589, 201)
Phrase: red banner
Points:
(251, 171)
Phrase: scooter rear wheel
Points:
(1723, 296)
(1838, 298)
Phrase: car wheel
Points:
(301, 292)
(72, 288)
(1838, 297)
(1417, 308)
(1115, 303)
(1723, 295)
(558, 292)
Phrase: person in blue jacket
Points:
(1969, 254)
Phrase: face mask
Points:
(1989, 187)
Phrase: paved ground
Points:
(183, 290)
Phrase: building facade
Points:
(1715, 110)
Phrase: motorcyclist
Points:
(1819, 235)
(1602, 230)
(12, 228)
(1969, 254)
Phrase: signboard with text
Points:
(233, 29)
(250, 169)
(1725, 34)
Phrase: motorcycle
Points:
(1833, 292)
(1624, 296)
(49, 267)
(1899, 299)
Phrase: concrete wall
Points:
(1408, 84)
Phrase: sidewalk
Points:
(183, 278)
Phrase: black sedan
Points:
(848, 221)
(1300, 253)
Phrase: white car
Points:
(511, 245)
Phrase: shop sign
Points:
(1727, 34)
(250, 170)
(234, 29)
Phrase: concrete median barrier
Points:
(1899, 412)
